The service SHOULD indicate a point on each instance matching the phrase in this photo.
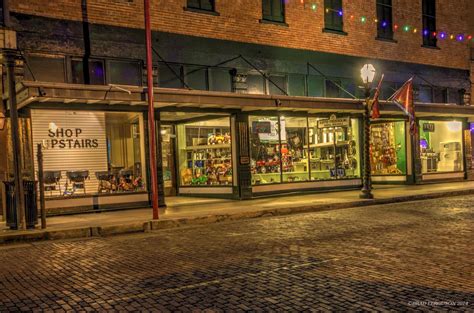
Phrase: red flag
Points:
(403, 97)
(375, 102)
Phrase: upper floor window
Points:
(206, 5)
(273, 10)
(429, 23)
(333, 15)
(384, 17)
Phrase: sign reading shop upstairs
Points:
(68, 138)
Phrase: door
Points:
(168, 154)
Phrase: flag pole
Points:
(151, 112)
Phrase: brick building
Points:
(252, 97)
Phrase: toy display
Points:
(208, 163)
(384, 148)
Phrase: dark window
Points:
(94, 75)
(425, 94)
(296, 85)
(124, 72)
(440, 95)
(206, 5)
(255, 84)
(333, 15)
(279, 81)
(273, 10)
(332, 90)
(46, 69)
(170, 76)
(429, 23)
(454, 96)
(196, 77)
(220, 80)
(315, 86)
(384, 17)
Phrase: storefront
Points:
(295, 153)
(390, 151)
(91, 158)
(441, 149)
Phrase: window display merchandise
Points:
(90, 152)
(306, 149)
(205, 155)
(441, 146)
(388, 148)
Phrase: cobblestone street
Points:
(410, 256)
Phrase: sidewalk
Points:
(192, 211)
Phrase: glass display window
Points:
(388, 148)
(204, 153)
(265, 136)
(90, 152)
(334, 148)
(294, 149)
(441, 148)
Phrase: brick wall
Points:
(239, 21)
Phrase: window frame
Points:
(332, 12)
(383, 9)
(200, 8)
(429, 23)
(272, 18)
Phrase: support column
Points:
(243, 156)
(10, 58)
(159, 164)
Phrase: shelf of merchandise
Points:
(208, 147)
(330, 144)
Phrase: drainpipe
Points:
(151, 113)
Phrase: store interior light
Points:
(367, 73)
(455, 126)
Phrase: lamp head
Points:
(367, 73)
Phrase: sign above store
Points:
(429, 127)
(334, 121)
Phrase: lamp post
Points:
(367, 74)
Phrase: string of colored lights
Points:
(407, 28)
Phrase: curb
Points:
(156, 225)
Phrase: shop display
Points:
(310, 149)
(441, 146)
(387, 146)
(206, 159)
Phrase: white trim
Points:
(205, 190)
(93, 200)
(307, 185)
(389, 178)
(442, 176)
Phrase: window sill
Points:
(264, 21)
(334, 31)
(201, 11)
(386, 39)
(431, 47)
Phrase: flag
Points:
(375, 102)
(403, 98)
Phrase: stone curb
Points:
(150, 226)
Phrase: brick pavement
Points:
(415, 256)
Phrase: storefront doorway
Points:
(168, 140)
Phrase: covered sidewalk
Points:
(185, 210)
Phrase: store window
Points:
(92, 74)
(204, 153)
(124, 72)
(265, 149)
(170, 75)
(388, 148)
(306, 149)
(441, 146)
(90, 152)
(47, 69)
(294, 149)
(334, 148)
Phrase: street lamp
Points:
(367, 73)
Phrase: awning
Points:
(61, 96)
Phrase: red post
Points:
(151, 113)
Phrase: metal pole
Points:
(151, 113)
(10, 58)
(366, 192)
(41, 185)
